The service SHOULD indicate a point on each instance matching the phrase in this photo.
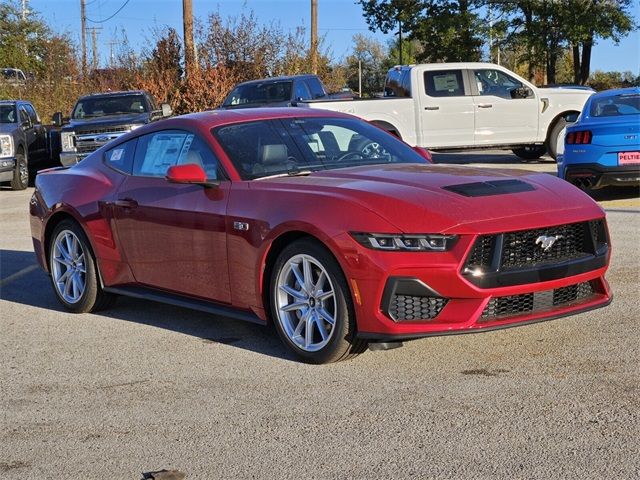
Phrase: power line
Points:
(109, 18)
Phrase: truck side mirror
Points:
(166, 110)
(521, 92)
(56, 119)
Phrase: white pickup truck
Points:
(449, 106)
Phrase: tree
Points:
(448, 30)
(371, 56)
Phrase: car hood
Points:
(8, 127)
(111, 120)
(457, 199)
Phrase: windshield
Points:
(8, 114)
(299, 146)
(109, 105)
(252, 93)
(626, 104)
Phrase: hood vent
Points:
(496, 187)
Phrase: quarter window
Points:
(444, 83)
(302, 91)
(121, 157)
(158, 151)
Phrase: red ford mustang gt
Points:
(335, 231)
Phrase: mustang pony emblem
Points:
(547, 242)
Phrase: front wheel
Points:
(311, 304)
(20, 179)
(530, 152)
(74, 271)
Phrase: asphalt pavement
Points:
(146, 386)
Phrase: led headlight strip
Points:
(400, 242)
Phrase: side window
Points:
(200, 154)
(32, 113)
(496, 83)
(158, 151)
(24, 116)
(316, 87)
(121, 157)
(302, 91)
(444, 83)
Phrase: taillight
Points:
(581, 137)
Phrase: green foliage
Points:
(370, 54)
(447, 30)
(600, 80)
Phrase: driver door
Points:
(499, 117)
(174, 235)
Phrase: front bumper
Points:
(411, 295)
(7, 166)
(69, 159)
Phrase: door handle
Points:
(126, 203)
(432, 108)
(485, 105)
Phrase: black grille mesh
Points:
(482, 252)
(513, 305)
(406, 307)
(521, 250)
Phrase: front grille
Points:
(527, 303)
(524, 248)
(96, 131)
(406, 307)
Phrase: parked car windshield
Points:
(298, 146)
(259, 93)
(617, 105)
(109, 105)
(8, 114)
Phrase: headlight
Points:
(412, 243)
(66, 139)
(6, 146)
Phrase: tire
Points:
(69, 251)
(530, 152)
(367, 148)
(20, 179)
(303, 320)
(553, 137)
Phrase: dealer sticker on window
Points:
(628, 158)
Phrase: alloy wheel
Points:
(68, 267)
(306, 303)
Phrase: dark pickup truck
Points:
(99, 118)
(25, 144)
(279, 92)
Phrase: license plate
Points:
(628, 158)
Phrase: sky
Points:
(338, 21)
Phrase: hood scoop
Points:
(495, 187)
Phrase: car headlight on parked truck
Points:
(6, 146)
(66, 140)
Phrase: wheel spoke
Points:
(308, 274)
(76, 285)
(294, 306)
(63, 251)
(326, 316)
(63, 261)
(308, 330)
(324, 295)
(64, 276)
(301, 323)
(294, 293)
(68, 283)
(74, 248)
(296, 273)
(321, 329)
(318, 285)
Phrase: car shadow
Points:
(614, 193)
(482, 156)
(22, 281)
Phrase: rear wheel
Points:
(311, 304)
(20, 179)
(74, 272)
(552, 145)
(530, 152)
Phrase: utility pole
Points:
(111, 58)
(400, 40)
(189, 48)
(83, 26)
(25, 9)
(314, 37)
(94, 45)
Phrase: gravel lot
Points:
(146, 386)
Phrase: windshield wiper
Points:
(291, 173)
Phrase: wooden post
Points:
(189, 48)
(314, 36)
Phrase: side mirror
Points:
(57, 119)
(521, 92)
(26, 124)
(166, 110)
(188, 173)
(424, 153)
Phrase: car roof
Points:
(277, 79)
(616, 91)
(215, 118)
(114, 94)
(13, 102)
